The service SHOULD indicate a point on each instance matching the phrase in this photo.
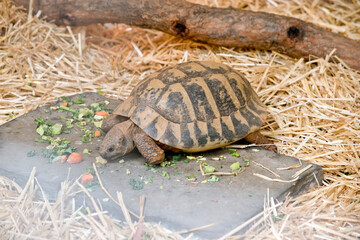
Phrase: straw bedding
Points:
(313, 104)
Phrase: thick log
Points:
(219, 26)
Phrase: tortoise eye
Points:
(111, 149)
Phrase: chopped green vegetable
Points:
(65, 99)
(191, 177)
(128, 171)
(136, 184)
(167, 164)
(85, 139)
(213, 179)
(40, 130)
(165, 174)
(68, 123)
(78, 100)
(235, 154)
(176, 157)
(98, 124)
(85, 112)
(67, 109)
(121, 161)
(89, 170)
(56, 129)
(235, 166)
(90, 186)
(31, 153)
(86, 151)
(57, 147)
(208, 168)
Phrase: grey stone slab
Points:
(174, 202)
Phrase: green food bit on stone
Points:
(136, 184)
(176, 157)
(167, 164)
(67, 109)
(89, 170)
(235, 154)
(235, 166)
(98, 124)
(208, 168)
(165, 174)
(86, 151)
(91, 186)
(78, 100)
(40, 130)
(213, 179)
(31, 153)
(56, 129)
(191, 177)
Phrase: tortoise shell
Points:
(195, 106)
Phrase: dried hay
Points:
(24, 216)
(314, 106)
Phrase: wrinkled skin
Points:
(118, 141)
(122, 139)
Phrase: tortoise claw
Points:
(271, 147)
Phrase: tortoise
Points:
(189, 107)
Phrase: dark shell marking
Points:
(195, 106)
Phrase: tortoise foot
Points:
(147, 147)
(261, 140)
(271, 147)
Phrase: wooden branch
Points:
(219, 26)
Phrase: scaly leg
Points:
(152, 153)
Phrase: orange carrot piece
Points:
(74, 158)
(85, 178)
(63, 158)
(102, 113)
(65, 104)
(97, 133)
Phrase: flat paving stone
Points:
(171, 198)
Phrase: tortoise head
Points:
(118, 141)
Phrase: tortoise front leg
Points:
(152, 153)
(258, 138)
